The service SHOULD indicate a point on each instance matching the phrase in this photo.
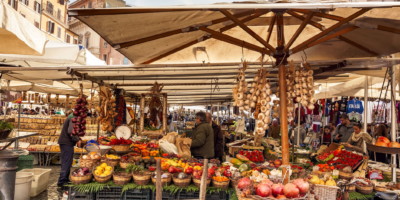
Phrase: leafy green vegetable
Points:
(359, 196)
(4, 125)
(134, 168)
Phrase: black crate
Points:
(183, 195)
(74, 195)
(138, 194)
(165, 196)
(110, 193)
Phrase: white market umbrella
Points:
(18, 35)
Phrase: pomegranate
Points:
(302, 185)
(281, 197)
(268, 182)
(277, 189)
(291, 191)
(244, 183)
(263, 190)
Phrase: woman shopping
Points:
(358, 139)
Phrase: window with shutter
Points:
(59, 14)
(37, 7)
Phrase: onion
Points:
(291, 191)
(79, 100)
(74, 120)
(268, 182)
(244, 183)
(263, 190)
(76, 113)
(281, 197)
(302, 185)
(277, 189)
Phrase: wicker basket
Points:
(181, 182)
(197, 182)
(344, 175)
(221, 184)
(124, 165)
(122, 178)
(164, 181)
(142, 178)
(328, 192)
(121, 147)
(80, 179)
(380, 189)
(102, 179)
(112, 162)
(365, 189)
(89, 163)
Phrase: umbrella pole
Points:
(284, 121)
(393, 124)
(365, 104)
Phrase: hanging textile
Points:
(355, 109)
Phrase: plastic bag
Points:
(170, 137)
(183, 145)
(167, 147)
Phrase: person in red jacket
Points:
(327, 137)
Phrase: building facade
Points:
(90, 39)
(50, 16)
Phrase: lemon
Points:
(104, 174)
(108, 168)
(103, 165)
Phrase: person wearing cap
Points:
(343, 130)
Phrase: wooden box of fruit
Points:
(81, 176)
(103, 173)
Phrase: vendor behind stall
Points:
(67, 141)
(358, 139)
(202, 138)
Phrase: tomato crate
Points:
(75, 195)
(222, 195)
(113, 193)
(138, 194)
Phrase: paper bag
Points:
(170, 137)
(183, 145)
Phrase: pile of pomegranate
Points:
(295, 189)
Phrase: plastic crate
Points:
(40, 180)
(165, 196)
(25, 162)
(138, 194)
(74, 195)
(196, 195)
(113, 193)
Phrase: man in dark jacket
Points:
(67, 142)
(202, 138)
(218, 137)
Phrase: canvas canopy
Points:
(17, 35)
(231, 32)
(55, 53)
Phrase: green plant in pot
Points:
(5, 129)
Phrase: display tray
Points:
(379, 149)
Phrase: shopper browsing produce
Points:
(327, 137)
(202, 138)
(343, 130)
(358, 139)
